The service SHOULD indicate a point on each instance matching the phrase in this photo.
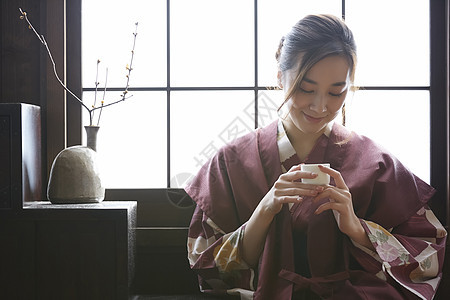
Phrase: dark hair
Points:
(313, 38)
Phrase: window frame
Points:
(439, 93)
(439, 107)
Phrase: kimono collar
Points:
(288, 155)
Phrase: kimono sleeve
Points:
(216, 257)
(411, 253)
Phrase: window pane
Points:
(275, 19)
(393, 41)
(131, 143)
(268, 103)
(202, 122)
(212, 43)
(398, 120)
(108, 28)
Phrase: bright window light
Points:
(189, 100)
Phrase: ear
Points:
(279, 76)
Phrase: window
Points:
(204, 73)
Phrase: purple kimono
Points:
(306, 255)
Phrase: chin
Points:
(310, 128)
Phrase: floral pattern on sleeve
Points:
(227, 256)
(209, 248)
(412, 253)
(386, 245)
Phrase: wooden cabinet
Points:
(20, 155)
(67, 251)
(17, 259)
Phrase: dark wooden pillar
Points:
(439, 106)
(54, 17)
(73, 21)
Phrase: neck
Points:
(301, 141)
(296, 135)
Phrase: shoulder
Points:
(342, 134)
(239, 143)
(383, 189)
(361, 146)
(248, 143)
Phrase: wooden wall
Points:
(20, 59)
(27, 73)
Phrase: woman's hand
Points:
(341, 202)
(289, 189)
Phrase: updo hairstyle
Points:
(312, 39)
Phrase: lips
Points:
(312, 119)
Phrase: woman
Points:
(260, 233)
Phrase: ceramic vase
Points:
(75, 174)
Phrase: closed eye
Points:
(336, 95)
(306, 91)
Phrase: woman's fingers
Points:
(340, 183)
(297, 175)
(330, 205)
(335, 194)
(289, 188)
(296, 192)
(289, 199)
(295, 168)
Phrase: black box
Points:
(20, 155)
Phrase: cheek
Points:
(299, 102)
(336, 104)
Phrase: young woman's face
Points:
(320, 96)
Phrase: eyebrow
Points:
(340, 83)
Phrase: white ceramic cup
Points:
(321, 179)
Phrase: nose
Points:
(319, 104)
